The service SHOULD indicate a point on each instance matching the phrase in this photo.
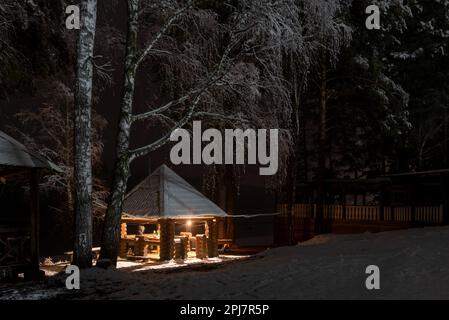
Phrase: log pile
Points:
(181, 248)
(201, 246)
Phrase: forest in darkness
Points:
(348, 101)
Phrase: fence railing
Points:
(422, 214)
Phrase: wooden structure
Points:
(19, 242)
(424, 215)
(389, 202)
(165, 244)
(178, 220)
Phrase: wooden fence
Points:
(426, 215)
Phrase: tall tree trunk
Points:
(68, 158)
(68, 216)
(111, 229)
(305, 153)
(225, 193)
(323, 121)
(230, 192)
(446, 136)
(321, 146)
(293, 163)
(82, 248)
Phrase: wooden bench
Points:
(225, 244)
(139, 244)
(95, 253)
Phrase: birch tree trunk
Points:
(82, 248)
(111, 228)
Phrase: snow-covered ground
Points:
(414, 264)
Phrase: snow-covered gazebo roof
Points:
(166, 194)
(15, 154)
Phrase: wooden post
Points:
(123, 230)
(141, 246)
(34, 195)
(123, 251)
(201, 246)
(212, 240)
(185, 246)
(167, 239)
(230, 230)
(221, 228)
(181, 248)
(343, 215)
(178, 249)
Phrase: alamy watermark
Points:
(373, 20)
(73, 19)
(73, 280)
(189, 149)
(372, 282)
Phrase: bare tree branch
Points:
(162, 31)
(214, 115)
(165, 107)
(165, 138)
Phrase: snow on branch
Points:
(252, 45)
(163, 30)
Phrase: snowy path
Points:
(414, 264)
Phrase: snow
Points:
(414, 264)
(173, 264)
(408, 56)
(41, 294)
(362, 61)
(127, 264)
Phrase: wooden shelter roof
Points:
(15, 154)
(164, 194)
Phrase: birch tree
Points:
(229, 71)
(83, 140)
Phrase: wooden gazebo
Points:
(19, 242)
(170, 219)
